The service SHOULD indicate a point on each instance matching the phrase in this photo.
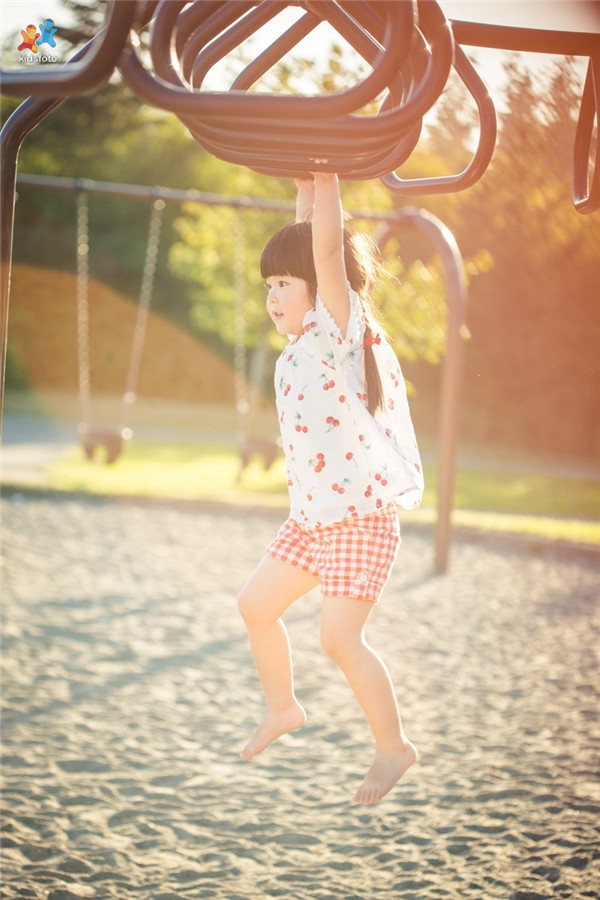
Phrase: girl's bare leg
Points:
(342, 635)
(272, 588)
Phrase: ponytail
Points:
(372, 376)
(363, 265)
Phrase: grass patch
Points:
(537, 505)
(179, 471)
(579, 531)
(529, 493)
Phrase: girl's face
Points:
(288, 301)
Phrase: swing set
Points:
(104, 443)
(96, 440)
(366, 131)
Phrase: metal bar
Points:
(276, 50)
(194, 34)
(445, 244)
(197, 13)
(161, 52)
(144, 192)
(17, 127)
(586, 189)
(228, 40)
(225, 106)
(485, 147)
(384, 63)
(342, 137)
(532, 40)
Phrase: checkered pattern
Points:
(353, 558)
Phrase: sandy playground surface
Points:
(128, 690)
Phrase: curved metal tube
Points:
(186, 39)
(445, 245)
(15, 130)
(357, 157)
(586, 191)
(275, 51)
(485, 148)
(368, 48)
(194, 16)
(536, 40)
(161, 52)
(233, 104)
(399, 24)
(206, 30)
(232, 38)
(231, 112)
(85, 75)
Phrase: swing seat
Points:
(102, 445)
(267, 449)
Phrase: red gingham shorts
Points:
(353, 558)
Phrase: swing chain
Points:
(145, 297)
(83, 310)
(93, 437)
(247, 383)
(240, 353)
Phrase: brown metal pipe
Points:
(23, 120)
(586, 188)
(456, 296)
(230, 39)
(485, 147)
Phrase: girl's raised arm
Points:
(328, 248)
(305, 199)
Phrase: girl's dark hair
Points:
(289, 252)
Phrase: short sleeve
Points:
(323, 329)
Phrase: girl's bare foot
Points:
(385, 771)
(273, 726)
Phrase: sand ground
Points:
(128, 689)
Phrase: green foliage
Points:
(412, 300)
(213, 241)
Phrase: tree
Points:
(532, 368)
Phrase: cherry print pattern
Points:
(327, 429)
(318, 464)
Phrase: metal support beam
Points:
(23, 120)
(456, 298)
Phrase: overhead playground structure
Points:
(366, 131)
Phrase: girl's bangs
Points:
(275, 256)
(289, 252)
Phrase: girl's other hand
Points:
(320, 175)
(305, 198)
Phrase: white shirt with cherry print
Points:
(340, 460)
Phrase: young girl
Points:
(351, 454)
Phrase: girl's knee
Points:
(254, 608)
(337, 643)
(247, 605)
